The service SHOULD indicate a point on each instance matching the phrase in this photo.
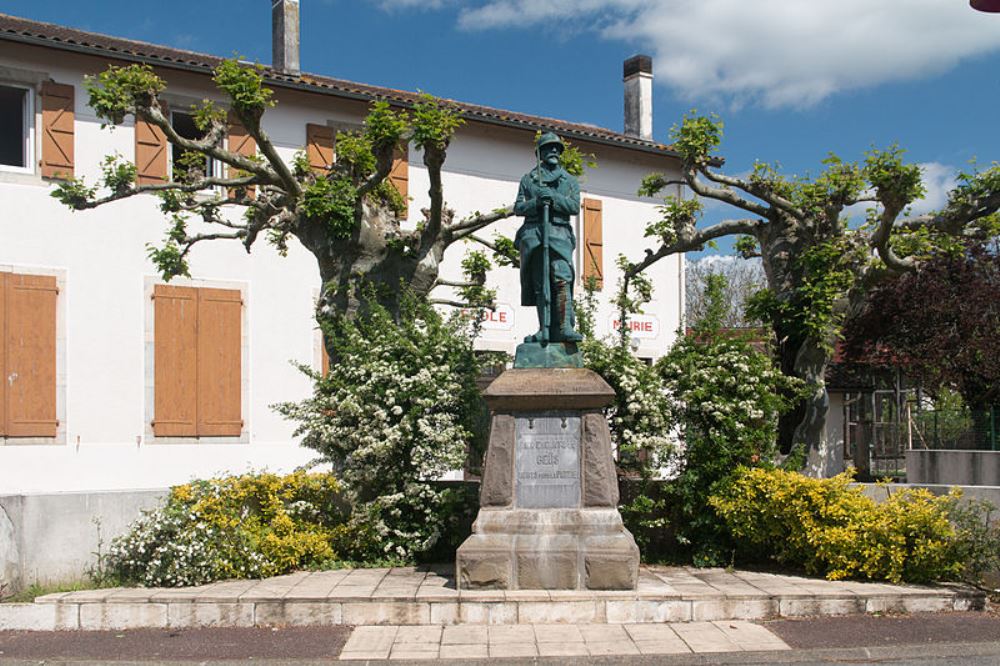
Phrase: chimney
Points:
(285, 36)
(639, 97)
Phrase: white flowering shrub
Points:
(248, 526)
(396, 411)
(727, 398)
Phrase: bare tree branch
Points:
(190, 188)
(755, 190)
(723, 194)
(470, 225)
(210, 145)
(694, 239)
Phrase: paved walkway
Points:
(555, 640)
(427, 596)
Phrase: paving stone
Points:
(435, 592)
(553, 612)
(651, 633)
(557, 633)
(514, 633)
(444, 613)
(807, 606)
(423, 634)
(603, 633)
(99, 617)
(675, 646)
(90, 596)
(750, 636)
(351, 592)
(410, 651)
(210, 614)
(273, 588)
(28, 617)
(388, 612)
(298, 614)
(464, 635)
(373, 641)
(705, 637)
(513, 650)
(563, 649)
(738, 609)
(648, 611)
(50, 598)
(616, 647)
(488, 613)
(230, 591)
(464, 651)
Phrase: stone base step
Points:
(411, 596)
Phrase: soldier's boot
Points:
(540, 309)
(564, 308)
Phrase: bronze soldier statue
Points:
(547, 199)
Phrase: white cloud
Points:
(779, 53)
(939, 179)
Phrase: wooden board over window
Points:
(319, 147)
(150, 153)
(197, 362)
(241, 143)
(593, 241)
(399, 176)
(28, 350)
(57, 130)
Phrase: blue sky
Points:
(792, 79)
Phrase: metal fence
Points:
(956, 429)
(881, 425)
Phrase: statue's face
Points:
(550, 154)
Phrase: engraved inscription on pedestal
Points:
(547, 463)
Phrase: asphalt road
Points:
(927, 639)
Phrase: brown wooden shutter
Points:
(175, 354)
(325, 359)
(3, 354)
(57, 130)
(319, 147)
(399, 176)
(593, 241)
(30, 302)
(219, 354)
(241, 143)
(151, 150)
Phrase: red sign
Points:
(643, 327)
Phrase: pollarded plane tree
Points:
(818, 267)
(346, 213)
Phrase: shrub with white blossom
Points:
(728, 396)
(397, 410)
(247, 526)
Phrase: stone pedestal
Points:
(548, 516)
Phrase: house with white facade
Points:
(93, 355)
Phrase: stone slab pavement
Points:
(555, 640)
(428, 596)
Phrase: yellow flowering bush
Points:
(829, 527)
(248, 526)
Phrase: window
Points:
(593, 242)
(28, 355)
(197, 362)
(183, 124)
(16, 128)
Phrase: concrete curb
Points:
(55, 614)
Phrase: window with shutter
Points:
(399, 176)
(175, 361)
(593, 242)
(57, 130)
(28, 323)
(16, 129)
(197, 362)
(319, 147)
(241, 143)
(150, 153)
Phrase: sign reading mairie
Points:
(547, 462)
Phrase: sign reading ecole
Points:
(643, 327)
(500, 319)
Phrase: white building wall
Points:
(100, 256)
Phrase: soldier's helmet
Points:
(549, 138)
